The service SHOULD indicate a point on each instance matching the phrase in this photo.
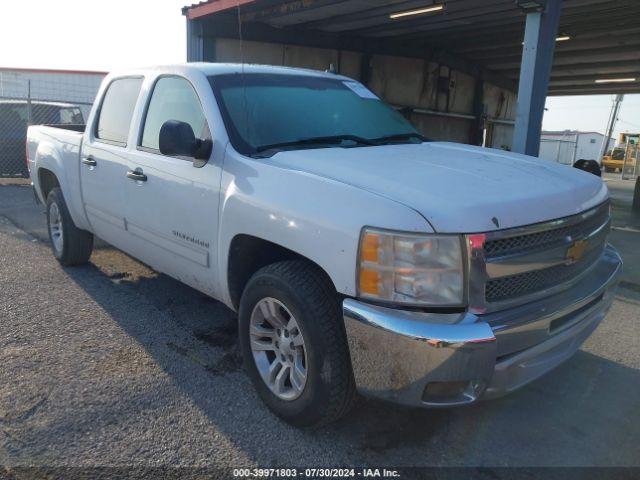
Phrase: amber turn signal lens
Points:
(369, 252)
(369, 281)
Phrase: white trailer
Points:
(570, 145)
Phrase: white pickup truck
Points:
(359, 256)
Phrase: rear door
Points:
(104, 165)
(172, 205)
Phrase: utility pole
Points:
(615, 109)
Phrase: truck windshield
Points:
(267, 113)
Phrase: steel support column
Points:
(479, 122)
(195, 51)
(537, 58)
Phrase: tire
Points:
(608, 170)
(300, 290)
(70, 245)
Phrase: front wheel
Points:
(294, 344)
(70, 245)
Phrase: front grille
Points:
(537, 280)
(545, 238)
(523, 264)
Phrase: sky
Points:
(591, 113)
(115, 34)
(91, 34)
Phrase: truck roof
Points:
(225, 68)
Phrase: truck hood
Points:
(457, 188)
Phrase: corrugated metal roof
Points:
(601, 37)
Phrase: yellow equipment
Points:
(614, 160)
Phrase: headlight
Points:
(413, 269)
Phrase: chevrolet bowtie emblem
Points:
(576, 251)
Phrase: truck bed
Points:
(57, 148)
(75, 127)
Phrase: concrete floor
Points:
(113, 364)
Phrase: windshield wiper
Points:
(398, 137)
(328, 140)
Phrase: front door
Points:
(172, 205)
(103, 165)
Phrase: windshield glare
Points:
(270, 109)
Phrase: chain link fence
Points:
(37, 98)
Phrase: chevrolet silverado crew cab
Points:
(358, 255)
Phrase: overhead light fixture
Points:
(420, 11)
(615, 80)
(562, 38)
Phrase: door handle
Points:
(137, 175)
(90, 161)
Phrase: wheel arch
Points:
(247, 254)
(47, 181)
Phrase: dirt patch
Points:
(378, 427)
(229, 363)
(224, 336)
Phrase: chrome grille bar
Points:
(537, 259)
(514, 266)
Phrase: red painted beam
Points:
(214, 6)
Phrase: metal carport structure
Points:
(493, 48)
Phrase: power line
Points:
(628, 123)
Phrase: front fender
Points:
(316, 217)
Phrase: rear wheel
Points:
(294, 345)
(70, 245)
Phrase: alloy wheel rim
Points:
(55, 227)
(278, 348)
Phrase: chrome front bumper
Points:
(436, 359)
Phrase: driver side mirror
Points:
(178, 140)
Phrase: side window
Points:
(117, 109)
(173, 98)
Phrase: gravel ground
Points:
(114, 364)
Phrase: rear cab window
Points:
(116, 111)
(53, 114)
